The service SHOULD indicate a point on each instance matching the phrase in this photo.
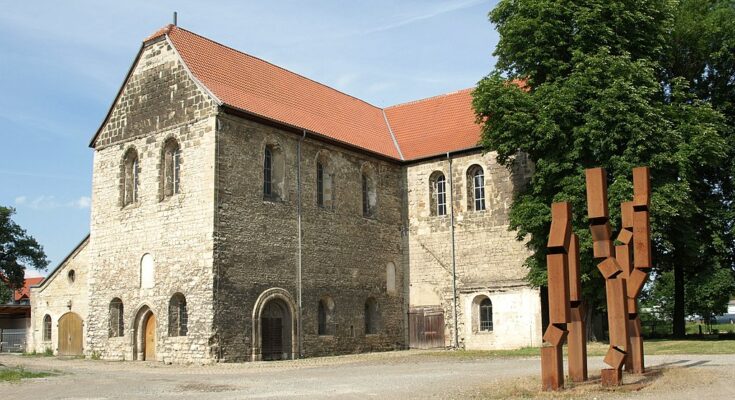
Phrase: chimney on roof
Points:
(175, 19)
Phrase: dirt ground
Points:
(395, 375)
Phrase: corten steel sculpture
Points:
(636, 232)
(615, 284)
(577, 338)
(557, 267)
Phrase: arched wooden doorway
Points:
(70, 335)
(274, 326)
(144, 344)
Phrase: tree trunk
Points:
(679, 303)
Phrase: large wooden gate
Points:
(426, 327)
(70, 335)
(150, 338)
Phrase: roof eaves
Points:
(392, 136)
(117, 96)
(191, 75)
(53, 272)
(442, 154)
(321, 136)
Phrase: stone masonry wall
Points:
(489, 260)
(344, 255)
(158, 102)
(58, 295)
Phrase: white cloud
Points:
(82, 202)
(44, 202)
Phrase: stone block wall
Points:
(57, 295)
(489, 259)
(158, 102)
(343, 254)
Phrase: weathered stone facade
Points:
(159, 101)
(341, 273)
(65, 291)
(488, 259)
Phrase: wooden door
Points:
(272, 336)
(150, 338)
(426, 328)
(70, 335)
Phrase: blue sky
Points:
(61, 64)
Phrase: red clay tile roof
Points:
(25, 291)
(422, 128)
(435, 125)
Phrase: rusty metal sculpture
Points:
(557, 267)
(636, 217)
(577, 338)
(610, 267)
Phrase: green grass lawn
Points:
(650, 347)
(17, 373)
(721, 328)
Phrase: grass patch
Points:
(18, 373)
(650, 346)
(46, 353)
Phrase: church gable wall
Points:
(160, 103)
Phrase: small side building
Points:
(60, 306)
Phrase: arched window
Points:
(325, 191)
(369, 194)
(372, 316)
(46, 328)
(486, 315)
(390, 278)
(273, 173)
(438, 190)
(130, 171)
(177, 315)
(475, 188)
(325, 316)
(116, 318)
(268, 172)
(171, 171)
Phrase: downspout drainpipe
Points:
(298, 270)
(454, 258)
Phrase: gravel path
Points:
(396, 375)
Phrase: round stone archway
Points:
(140, 320)
(280, 301)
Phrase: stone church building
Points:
(243, 212)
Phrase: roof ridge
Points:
(430, 98)
(270, 63)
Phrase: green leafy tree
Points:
(701, 51)
(593, 95)
(18, 250)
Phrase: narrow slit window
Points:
(268, 172)
(319, 184)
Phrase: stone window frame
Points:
(325, 316)
(369, 184)
(47, 328)
(170, 168)
(116, 318)
(481, 325)
(130, 177)
(372, 316)
(438, 202)
(325, 190)
(273, 172)
(476, 199)
(178, 316)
